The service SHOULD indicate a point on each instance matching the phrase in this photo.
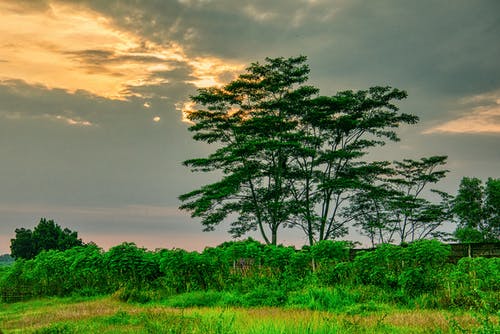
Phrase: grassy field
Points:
(108, 315)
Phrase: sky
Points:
(93, 97)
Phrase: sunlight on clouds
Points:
(69, 120)
(257, 15)
(73, 48)
(38, 46)
(73, 120)
(481, 119)
(185, 108)
(211, 71)
(486, 98)
(208, 72)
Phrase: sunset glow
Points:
(484, 117)
(73, 48)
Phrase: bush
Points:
(322, 299)
(414, 269)
(380, 267)
(191, 271)
(263, 296)
(127, 264)
(424, 261)
(473, 282)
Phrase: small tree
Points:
(392, 207)
(46, 235)
(477, 209)
(414, 217)
(23, 246)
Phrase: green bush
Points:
(128, 264)
(191, 271)
(263, 296)
(380, 267)
(18, 283)
(474, 282)
(322, 299)
(415, 269)
(247, 273)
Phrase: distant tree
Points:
(477, 209)
(414, 217)
(6, 259)
(23, 246)
(492, 208)
(393, 207)
(45, 236)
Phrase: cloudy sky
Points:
(92, 95)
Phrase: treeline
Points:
(248, 273)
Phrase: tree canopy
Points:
(477, 209)
(46, 235)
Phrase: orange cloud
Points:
(185, 108)
(480, 119)
(74, 48)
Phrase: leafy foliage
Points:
(131, 265)
(392, 207)
(412, 269)
(248, 273)
(477, 208)
(46, 235)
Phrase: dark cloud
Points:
(439, 46)
(124, 158)
(103, 57)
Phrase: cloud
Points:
(139, 211)
(483, 117)
(258, 15)
(73, 47)
(72, 121)
(186, 108)
(24, 102)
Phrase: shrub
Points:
(128, 264)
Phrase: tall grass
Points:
(109, 315)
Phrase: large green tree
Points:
(45, 236)
(477, 209)
(249, 120)
(288, 157)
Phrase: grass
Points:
(109, 315)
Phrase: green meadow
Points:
(110, 315)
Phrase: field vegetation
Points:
(249, 287)
(109, 315)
